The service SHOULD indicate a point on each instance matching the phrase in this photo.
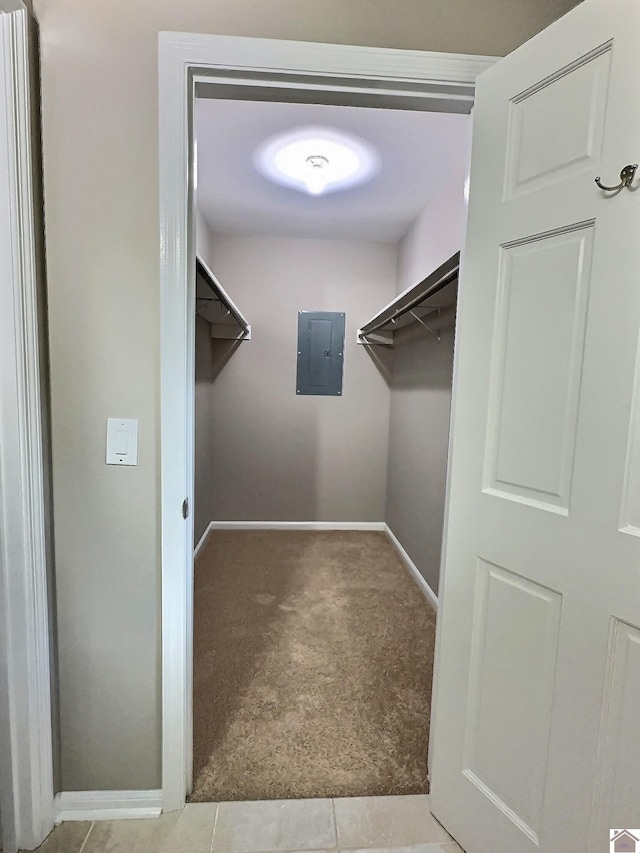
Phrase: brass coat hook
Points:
(626, 179)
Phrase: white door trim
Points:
(238, 66)
(26, 775)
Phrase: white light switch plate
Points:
(122, 441)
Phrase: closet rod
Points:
(438, 285)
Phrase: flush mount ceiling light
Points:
(316, 160)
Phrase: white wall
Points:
(421, 390)
(100, 132)
(276, 455)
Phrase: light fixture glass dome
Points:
(316, 160)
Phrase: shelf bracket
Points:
(428, 328)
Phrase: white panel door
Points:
(536, 740)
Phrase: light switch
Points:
(122, 441)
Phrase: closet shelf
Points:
(215, 305)
(431, 302)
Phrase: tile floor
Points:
(383, 824)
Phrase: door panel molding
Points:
(630, 505)
(618, 775)
(503, 710)
(539, 155)
(541, 314)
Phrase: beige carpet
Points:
(313, 657)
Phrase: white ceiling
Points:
(417, 151)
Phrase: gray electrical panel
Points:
(320, 353)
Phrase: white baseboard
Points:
(107, 805)
(295, 525)
(286, 525)
(203, 539)
(426, 590)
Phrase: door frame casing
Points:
(255, 69)
(26, 732)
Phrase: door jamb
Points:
(26, 739)
(240, 68)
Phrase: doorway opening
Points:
(313, 648)
(253, 70)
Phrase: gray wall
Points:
(203, 481)
(421, 391)
(276, 455)
(418, 442)
(100, 126)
